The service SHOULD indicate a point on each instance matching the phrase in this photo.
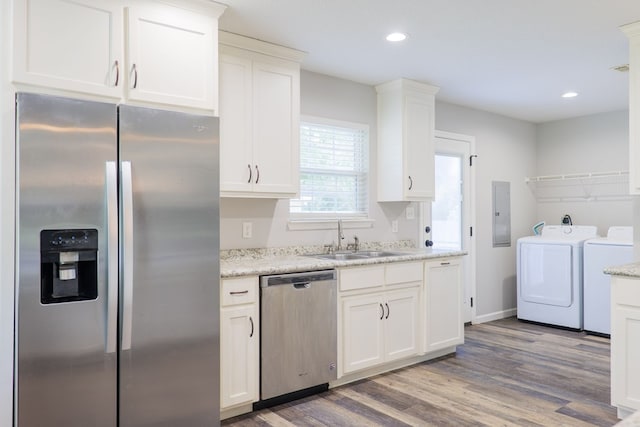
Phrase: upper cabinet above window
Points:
(162, 53)
(405, 141)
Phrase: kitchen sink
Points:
(378, 254)
(343, 256)
(340, 256)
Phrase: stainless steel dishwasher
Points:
(298, 349)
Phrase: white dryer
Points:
(549, 275)
(599, 253)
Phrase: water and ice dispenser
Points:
(68, 265)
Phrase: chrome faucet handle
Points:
(355, 246)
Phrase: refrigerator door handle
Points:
(111, 176)
(127, 254)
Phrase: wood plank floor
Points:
(508, 373)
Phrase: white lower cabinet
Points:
(363, 332)
(239, 342)
(401, 323)
(625, 345)
(443, 304)
(381, 323)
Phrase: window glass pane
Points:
(446, 210)
(334, 167)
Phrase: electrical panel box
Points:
(501, 213)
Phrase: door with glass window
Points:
(446, 222)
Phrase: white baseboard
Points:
(495, 316)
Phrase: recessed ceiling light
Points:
(396, 37)
(570, 94)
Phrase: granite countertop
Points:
(252, 262)
(627, 270)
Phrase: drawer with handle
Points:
(239, 290)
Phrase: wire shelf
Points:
(581, 187)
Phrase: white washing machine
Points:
(615, 249)
(549, 275)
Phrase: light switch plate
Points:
(394, 226)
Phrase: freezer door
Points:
(65, 371)
(169, 372)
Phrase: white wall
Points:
(594, 143)
(506, 150)
(332, 98)
(6, 221)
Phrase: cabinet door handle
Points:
(238, 292)
(251, 320)
(445, 263)
(257, 174)
(135, 76)
(250, 174)
(410, 182)
(387, 305)
(117, 65)
(381, 312)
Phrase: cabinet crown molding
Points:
(259, 46)
(208, 7)
(631, 30)
(407, 84)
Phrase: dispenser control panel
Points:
(68, 265)
(73, 240)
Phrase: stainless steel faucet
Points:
(355, 246)
(340, 235)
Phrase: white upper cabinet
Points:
(140, 52)
(172, 56)
(260, 118)
(236, 125)
(70, 45)
(405, 141)
(633, 33)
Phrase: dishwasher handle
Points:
(298, 280)
(302, 285)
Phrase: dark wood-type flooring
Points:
(508, 373)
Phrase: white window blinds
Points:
(334, 169)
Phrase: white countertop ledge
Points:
(279, 264)
(626, 270)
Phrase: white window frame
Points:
(322, 220)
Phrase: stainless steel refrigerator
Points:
(117, 293)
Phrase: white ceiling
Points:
(511, 57)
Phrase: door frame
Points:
(468, 261)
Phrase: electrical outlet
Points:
(247, 230)
(410, 212)
(394, 226)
